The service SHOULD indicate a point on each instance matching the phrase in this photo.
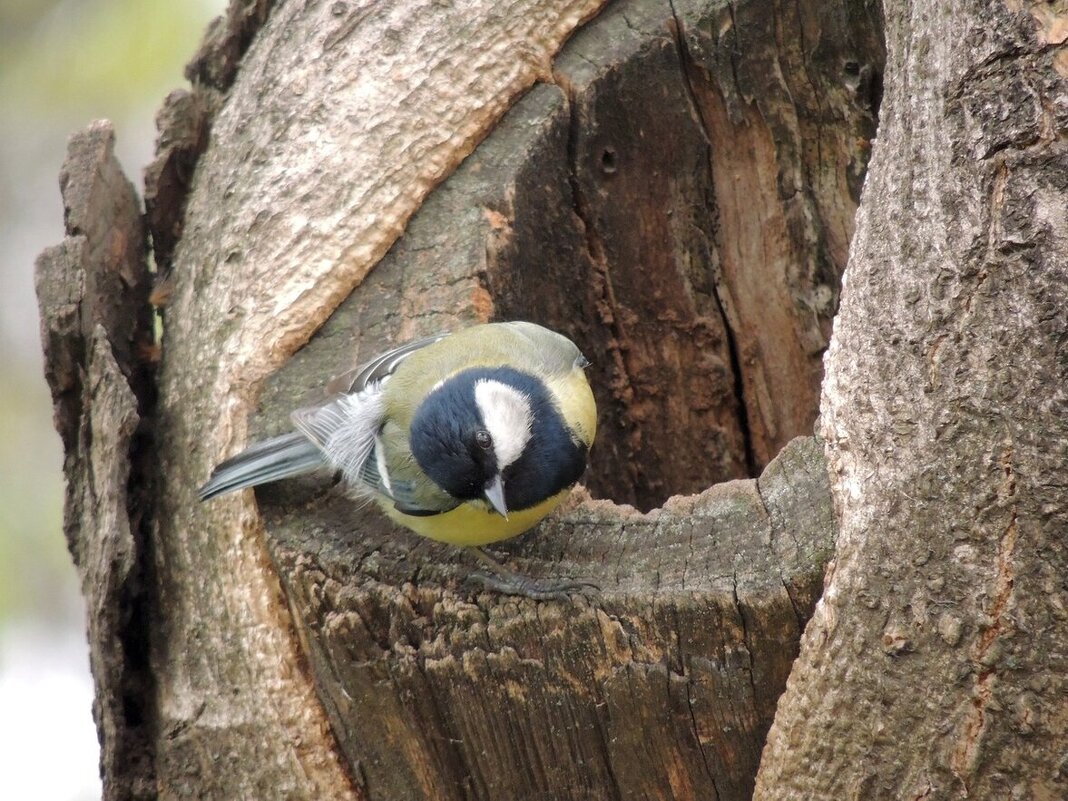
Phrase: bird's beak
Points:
(494, 493)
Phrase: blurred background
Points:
(63, 63)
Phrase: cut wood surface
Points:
(661, 685)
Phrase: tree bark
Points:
(93, 292)
(936, 665)
(674, 187)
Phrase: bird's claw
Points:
(538, 589)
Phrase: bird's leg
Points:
(509, 582)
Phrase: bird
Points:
(467, 438)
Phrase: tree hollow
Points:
(678, 199)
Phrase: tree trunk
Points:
(673, 185)
(937, 663)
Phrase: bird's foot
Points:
(539, 589)
(508, 582)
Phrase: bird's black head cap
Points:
(488, 422)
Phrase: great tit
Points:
(467, 438)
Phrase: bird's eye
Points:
(483, 439)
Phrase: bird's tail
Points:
(270, 460)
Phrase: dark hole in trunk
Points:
(697, 260)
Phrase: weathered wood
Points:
(936, 664)
(95, 322)
(787, 95)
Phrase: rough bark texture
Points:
(937, 663)
(307, 649)
(95, 324)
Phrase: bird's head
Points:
(495, 434)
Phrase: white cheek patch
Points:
(508, 417)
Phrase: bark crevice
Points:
(685, 68)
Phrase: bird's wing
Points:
(405, 494)
(345, 429)
(554, 353)
(381, 367)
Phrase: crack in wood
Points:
(709, 772)
(607, 307)
(965, 756)
(685, 67)
(773, 528)
(746, 643)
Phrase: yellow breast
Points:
(469, 524)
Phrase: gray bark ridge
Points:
(936, 665)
